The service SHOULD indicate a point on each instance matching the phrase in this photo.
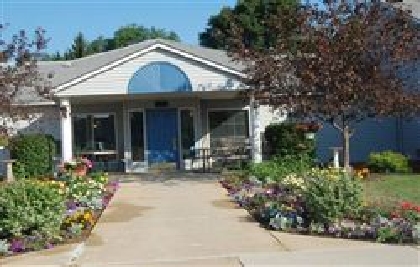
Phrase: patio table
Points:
(101, 156)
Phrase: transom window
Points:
(158, 77)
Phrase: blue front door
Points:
(162, 132)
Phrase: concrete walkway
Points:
(174, 221)
(191, 222)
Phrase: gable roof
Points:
(67, 71)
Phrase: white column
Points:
(66, 130)
(127, 138)
(255, 131)
(198, 125)
(200, 135)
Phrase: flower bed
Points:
(325, 202)
(38, 215)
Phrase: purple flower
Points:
(49, 245)
(71, 205)
(115, 185)
(17, 245)
(105, 201)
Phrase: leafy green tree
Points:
(98, 45)
(129, 34)
(250, 16)
(124, 36)
(133, 33)
(101, 44)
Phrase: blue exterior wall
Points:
(411, 137)
(370, 136)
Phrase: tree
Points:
(79, 47)
(19, 75)
(345, 67)
(134, 33)
(99, 45)
(249, 16)
(124, 36)
(56, 56)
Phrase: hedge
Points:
(33, 153)
(285, 139)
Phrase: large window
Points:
(228, 128)
(94, 132)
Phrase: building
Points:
(161, 102)
(153, 103)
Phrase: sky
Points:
(63, 19)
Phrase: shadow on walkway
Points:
(165, 177)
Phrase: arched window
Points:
(159, 77)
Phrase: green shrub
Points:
(31, 208)
(388, 161)
(279, 167)
(33, 153)
(332, 194)
(286, 139)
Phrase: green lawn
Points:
(398, 187)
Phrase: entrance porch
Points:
(134, 133)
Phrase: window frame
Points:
(246, 109)
(129, 137)
(194, 112)
(76, 114)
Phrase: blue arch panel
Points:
(158, 77)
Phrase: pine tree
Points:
(79, 47)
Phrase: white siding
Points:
(115, 81)
(264, 116)
(267, 115)
(46, 121)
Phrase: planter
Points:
(80, 170)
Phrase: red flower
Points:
(406, 205)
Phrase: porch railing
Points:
(219, 158)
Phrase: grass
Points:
(401, 187)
